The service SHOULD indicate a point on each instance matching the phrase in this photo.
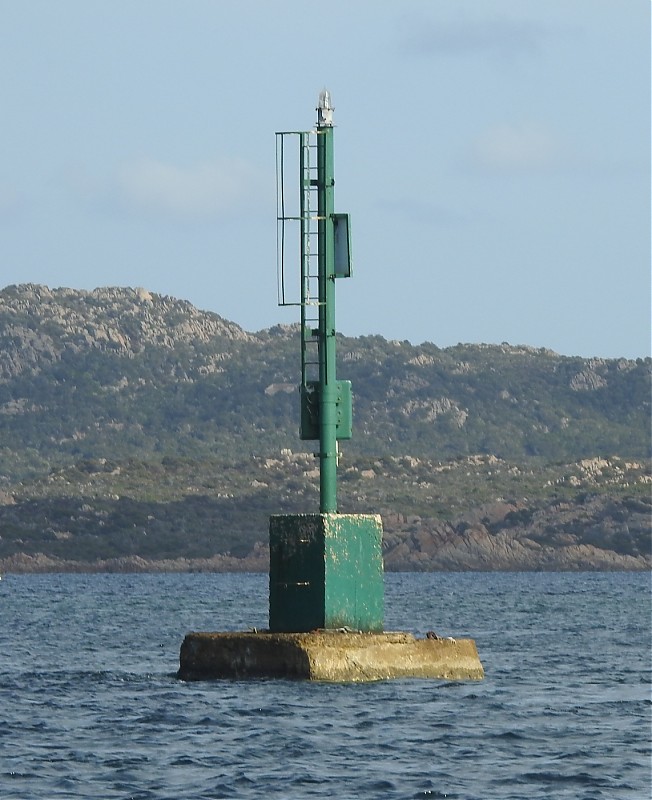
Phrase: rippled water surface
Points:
(90, 707)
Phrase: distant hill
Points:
(137, 405)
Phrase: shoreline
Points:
(39, 564)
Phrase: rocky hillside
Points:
(475, 513)
(136, 430)
(40, 326)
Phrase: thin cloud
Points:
(202, 191)
(516, 146)
(500, 35)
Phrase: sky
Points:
(494, 156)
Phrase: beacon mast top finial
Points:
(324, 110)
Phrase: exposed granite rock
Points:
(429, 410)
(598, 534)
(48, 322)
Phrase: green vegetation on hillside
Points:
(135, 424)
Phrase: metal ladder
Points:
(309, 254)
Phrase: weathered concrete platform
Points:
(327, 656)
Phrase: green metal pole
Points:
(326, 272)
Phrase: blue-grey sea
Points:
(90, 706)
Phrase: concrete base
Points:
(327, 656)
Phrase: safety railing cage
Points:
(296, 219)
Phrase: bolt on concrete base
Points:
(338, 656)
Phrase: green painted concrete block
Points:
(326, 572)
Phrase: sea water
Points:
(90, 706)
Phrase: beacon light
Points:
(325, 109)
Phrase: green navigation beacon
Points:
(326, 601)
(326, 568)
